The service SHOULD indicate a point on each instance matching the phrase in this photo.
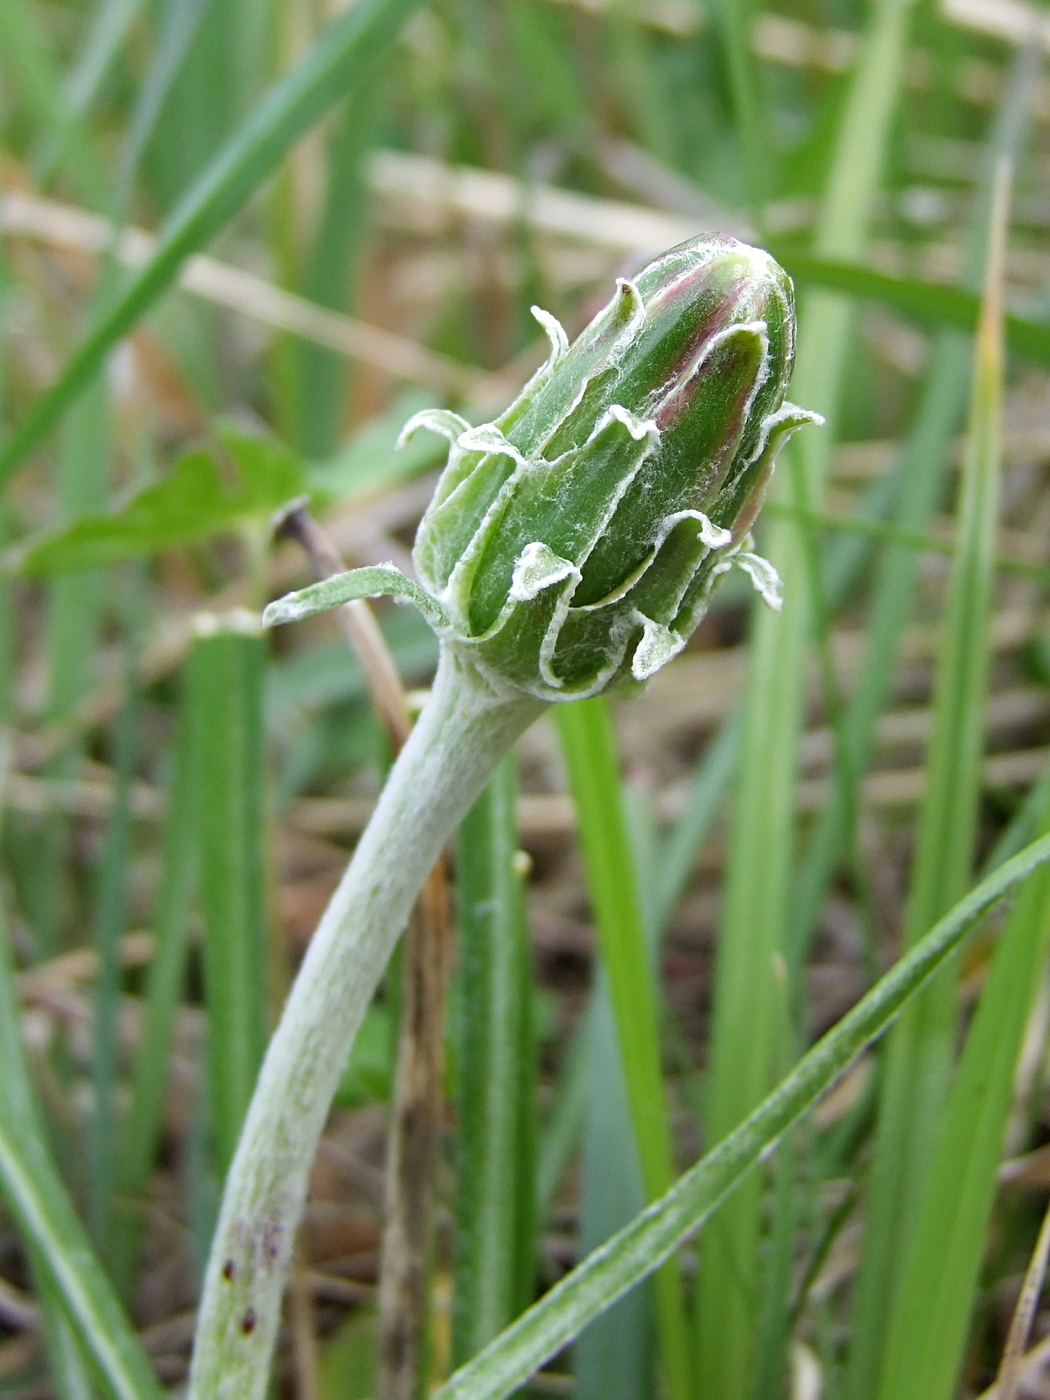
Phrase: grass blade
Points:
(180, 24)
(585, 729)
(342, 56)
(934, 1303)
(929, 303)
(44, 1214)
(920, 1052)
(108, 30)
(24, 47)
(494, 1191)
(320, 378)
(225, 679)
(561, 1132)
(643, 1245)
(748, 996)
(70, 1374)
(682, 843)
(920, 471)
(612, 1358)
(110, 921)
(179, 866)
(735, 21)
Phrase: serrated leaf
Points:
(194, 502)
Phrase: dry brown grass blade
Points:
(1008, 1381)
(65, 226)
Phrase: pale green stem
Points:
(463, 732)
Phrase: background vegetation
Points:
(659, 905)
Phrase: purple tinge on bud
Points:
(576, 539)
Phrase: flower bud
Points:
(574, 542)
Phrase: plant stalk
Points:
(463, 732)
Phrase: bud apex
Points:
(575, 541)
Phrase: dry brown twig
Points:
(1008, 1381)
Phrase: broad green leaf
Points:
(196, 501)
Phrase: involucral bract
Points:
(574, 543)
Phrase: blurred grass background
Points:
(361, 203)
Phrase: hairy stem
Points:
(464, 731)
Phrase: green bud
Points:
(574, 542)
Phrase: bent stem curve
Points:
(464, 730)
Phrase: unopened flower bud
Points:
(574, 542)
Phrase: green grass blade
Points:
(45, 1217)
(924, 457)
(180, 24)
(343, 56)
(225, 680)
(935, 1300)
(321, 378)
(748, 997)
(74, 613)
(109, 27)
(105, 37)
(911, 540)
(23, 46)
(920, 1052)
(920, 471)
(493, 1193)
(632, 61)
(680, 847)
(179, 866)
(585, 729)
(643, 1245)
(70, 1372)
(1022, 826)
(612, 1358)
(560, 1134)
(930, 303)
(110, 923)
(735, 21)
